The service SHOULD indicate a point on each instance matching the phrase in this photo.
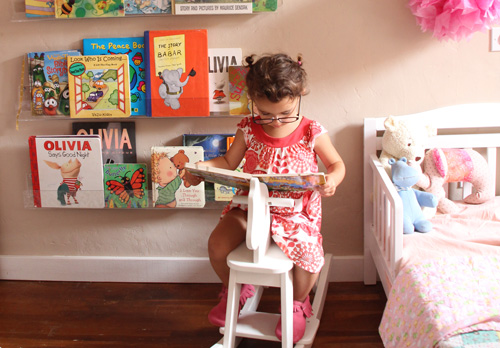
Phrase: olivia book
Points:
(66, 171)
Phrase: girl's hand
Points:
(192, 179)
(329, 188)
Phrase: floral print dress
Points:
(295, 230)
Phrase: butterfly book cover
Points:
(66, 171)
(125, 185)
(89, 8)
(39, 8)
(239, 102)
(169, 187)
(176, 73)
(118, 139)
(211, 7)
(134, 48)
(99, 86)
(147, 7)
(219, 61)
(48, 80)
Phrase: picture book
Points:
(39, 8)
(190, 7)
(99, 86)
(147, 7)
(48, 79)
(134, 48)
(89, 8)
(118, 139)
(239, 102)
(125, 185)
(265, 5)
(66, 171)
(177, 73)
(281, 182)
(219, 60)
(169, 187)
(214, 145)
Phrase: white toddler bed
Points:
(451, 275)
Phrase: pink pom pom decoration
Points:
(455, 19)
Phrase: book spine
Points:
(34, 172)
(148, 69)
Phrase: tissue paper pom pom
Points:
(455, 19)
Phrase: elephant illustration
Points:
(172, 88)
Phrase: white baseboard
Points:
(138, 269)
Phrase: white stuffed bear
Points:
(403, 138)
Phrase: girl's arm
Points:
(230, 160)
(335, 168)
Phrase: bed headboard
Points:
(474, 126)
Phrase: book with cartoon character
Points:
(66, 171)
(134, 48)
(125, 185)
(170, 189)
(39, 8)
(89, 8)
(99, 86)
(48, 79)
(147, 7)
(176, 73)
(219, 61)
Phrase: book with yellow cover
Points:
(99, 86)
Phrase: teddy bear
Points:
(403, 138)
(441, 166)
(404, 177)
(179, 160)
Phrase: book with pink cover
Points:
(281, 182)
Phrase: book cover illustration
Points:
(169, 188)
(66, 171)
(39, 8)
(89, 8)
(281, 182)
(48, 79)
(219, 60)
(190, 7)
(99, 86)
(147, 7)
(118, 139)
(239, 102)
(125, 185)
(177, 73)
(214, 145)
(265, 5)
(134, 48)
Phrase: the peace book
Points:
(169, 187)
(66, 171)
(281, 182)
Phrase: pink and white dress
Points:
(295, 230)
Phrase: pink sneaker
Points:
(301, 311)
(217, 315)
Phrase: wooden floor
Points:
(87, 315)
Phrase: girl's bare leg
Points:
(227, 235)
(303, 282)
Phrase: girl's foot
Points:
(217, 315)
(301, 311)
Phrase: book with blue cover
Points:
(147, 7)
(134, 48)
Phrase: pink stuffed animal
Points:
(442, 166)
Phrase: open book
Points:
(283, 182)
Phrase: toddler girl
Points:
(277, 139)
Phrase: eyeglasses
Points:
(267, 120)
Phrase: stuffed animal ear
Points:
(390, 123)
(391, 161)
